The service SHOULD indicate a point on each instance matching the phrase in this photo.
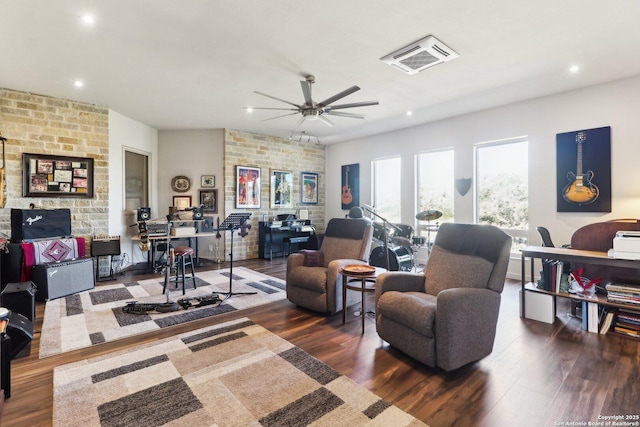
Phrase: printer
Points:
(626, 245)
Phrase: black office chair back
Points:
(546, 237)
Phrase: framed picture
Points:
(281, 189)
(350, 196)
(182, 202)
(56, 176)
(209, 199)
(247, 187)
(309, 188)
(208, 181)
(583, 170)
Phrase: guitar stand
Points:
(232, 223)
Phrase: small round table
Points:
(365, 274)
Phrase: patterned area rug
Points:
(93, 317)
(233, 374)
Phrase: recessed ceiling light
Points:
(409, 113)
(574, 69)
(88, 19)
(78, 83)
(249, 109)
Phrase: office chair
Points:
(546, 237)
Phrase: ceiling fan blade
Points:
(306, 91)
(277, 99)
(341, 114)
(326, 121)
(340, 95)
(267, 108)
(277, 117)
(352, 105)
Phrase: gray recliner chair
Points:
(313, 280)
(447, 317)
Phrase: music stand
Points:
(231, 223)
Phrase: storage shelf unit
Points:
(573, 256)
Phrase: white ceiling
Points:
(194, 64)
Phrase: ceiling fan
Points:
(311, 110)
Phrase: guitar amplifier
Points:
(59, 279)
(33, 224)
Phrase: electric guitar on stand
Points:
(347, 197)
(580, 190)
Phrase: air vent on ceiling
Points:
(420, 55)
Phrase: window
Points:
(136, 180)
(502, 189)
(435, 184)
(387, 189)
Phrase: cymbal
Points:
(428, 215)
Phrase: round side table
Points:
(366, 276)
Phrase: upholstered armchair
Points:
(313, 280)
(446, 317)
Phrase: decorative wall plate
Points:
(181, 184)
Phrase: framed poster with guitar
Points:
(350, 196)
(583, 168)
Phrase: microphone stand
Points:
(385, 222)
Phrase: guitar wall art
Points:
(584, 170)
(350, 196)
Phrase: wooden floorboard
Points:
(537, 375)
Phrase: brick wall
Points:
(44, 125)
(267, 153)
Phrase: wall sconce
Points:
(463, 185)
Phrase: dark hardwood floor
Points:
(537, 375)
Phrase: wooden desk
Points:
(154, 240)
(573, 256)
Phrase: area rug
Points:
(232, 374)
(95, 316)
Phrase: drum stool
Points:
(181, 254)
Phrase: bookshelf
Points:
(575, 256)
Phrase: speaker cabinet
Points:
(30, 224)
(144, 214)
(198, 213)
(20, 298)
(20, 330)
(59, 279)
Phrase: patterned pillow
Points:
(312, 258)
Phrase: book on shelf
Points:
(608, 320)
(626, 331)
(623, 293)
(593, 317)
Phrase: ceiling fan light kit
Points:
(311, 110)
(420, 55)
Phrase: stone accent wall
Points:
(267, 153)
(44, 125)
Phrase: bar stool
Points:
(181, 253)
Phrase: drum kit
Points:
(396, 246)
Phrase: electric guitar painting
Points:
(580, 190)
(347, 197)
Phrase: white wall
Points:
(192, 153)
(614, 104)
(126, 132)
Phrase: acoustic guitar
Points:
(580, 190)
(347, 197)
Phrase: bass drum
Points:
(399, 258)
